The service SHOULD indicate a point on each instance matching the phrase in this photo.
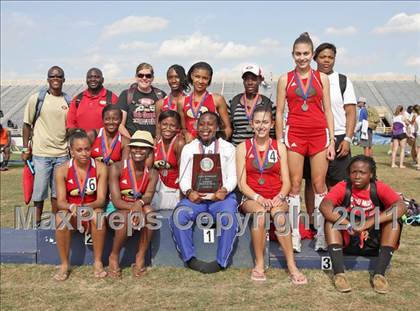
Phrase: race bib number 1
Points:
(208, 235)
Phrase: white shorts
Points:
(165, 198)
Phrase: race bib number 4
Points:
(272, 156)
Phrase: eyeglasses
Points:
(142, 75)
(55, 77)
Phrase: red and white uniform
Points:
(306, 131)
(98, 152)
(73, 194)
(171, 179)
(271, 174)
(169, 103)
(126, 188)
(190, 121)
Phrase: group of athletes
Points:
(134, 170)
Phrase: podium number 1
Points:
(326, 263)
(208, 235)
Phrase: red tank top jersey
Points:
(98, 152)
(4, 136)
(271, 175)
(169, 103)
(126, 188)
(171, 165)
(314, 117)
(190, 121)
(73, 194)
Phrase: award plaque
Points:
(207, 173)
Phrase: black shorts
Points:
(370, 246)
(337, 168)
(399, 136)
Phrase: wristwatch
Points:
(348, 139)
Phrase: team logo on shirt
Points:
(102, 102)
(124, 181)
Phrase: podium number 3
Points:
(326, 263)
(208, 235)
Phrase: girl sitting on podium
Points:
(220, 201)
(81, 186)
(263, 178)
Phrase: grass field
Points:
(29, 287)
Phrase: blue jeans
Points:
(45, 168)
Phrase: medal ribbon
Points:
(165, 154)
(82, 190)
(196, 111)
(302, 87)
(106, 150)
(170, 102)
(216, 147)
(132, 173)
(250, 111)
(261, 161)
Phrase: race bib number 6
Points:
(91, 185)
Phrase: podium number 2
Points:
(326, 263)
(208, 235)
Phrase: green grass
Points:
(28, 287)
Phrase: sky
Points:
(372, 37)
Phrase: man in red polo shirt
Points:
(86, 108)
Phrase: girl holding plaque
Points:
(132, 186)
(207, 179)
(178, 83)
(109, 145)
(166, 158)
(263, 178)
(309, 131)
(81, 183)
(200, 101)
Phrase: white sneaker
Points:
(296, 242)
(320, 243)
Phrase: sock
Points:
(213, 267)
(337, 259)
(384, 258)
(318, 217)
(294, 211)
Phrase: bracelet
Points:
(188, 192)
(282, 197)
(142, 202)
(348, 139)
(282, 140)
(255, 197)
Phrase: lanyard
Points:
(249, 111)
(132, 173)
(304, 88)
(261, 161)
(215, 150)
(196, 111)
(82, 190)
(106, 150)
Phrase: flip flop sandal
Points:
(258, 276)
(115, 273)
(61, 276)
(136, 271)
(100, 274)
(298, 278)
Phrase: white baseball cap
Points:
(252, 68)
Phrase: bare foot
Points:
(62, 274)
(114, 269)
(98, 270)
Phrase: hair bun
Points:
(305, 34)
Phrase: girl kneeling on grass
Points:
(265, 183)
(132, 186)
(360, 198)
(81, 186)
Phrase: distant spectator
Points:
(411, 131)
(47, 131)
(138, 103)
(399, 135)
(5, 142)
(366, 133)
(86, 108)
(417, 127)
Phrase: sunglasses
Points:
(142, 75)
(55, 77)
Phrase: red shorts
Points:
(306, 142)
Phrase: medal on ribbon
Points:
(106, 150)
(249, 108)
(81, 183)
(133, 180)
(304, 88)
(195, 110)
(165, 154)
(261, 161)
